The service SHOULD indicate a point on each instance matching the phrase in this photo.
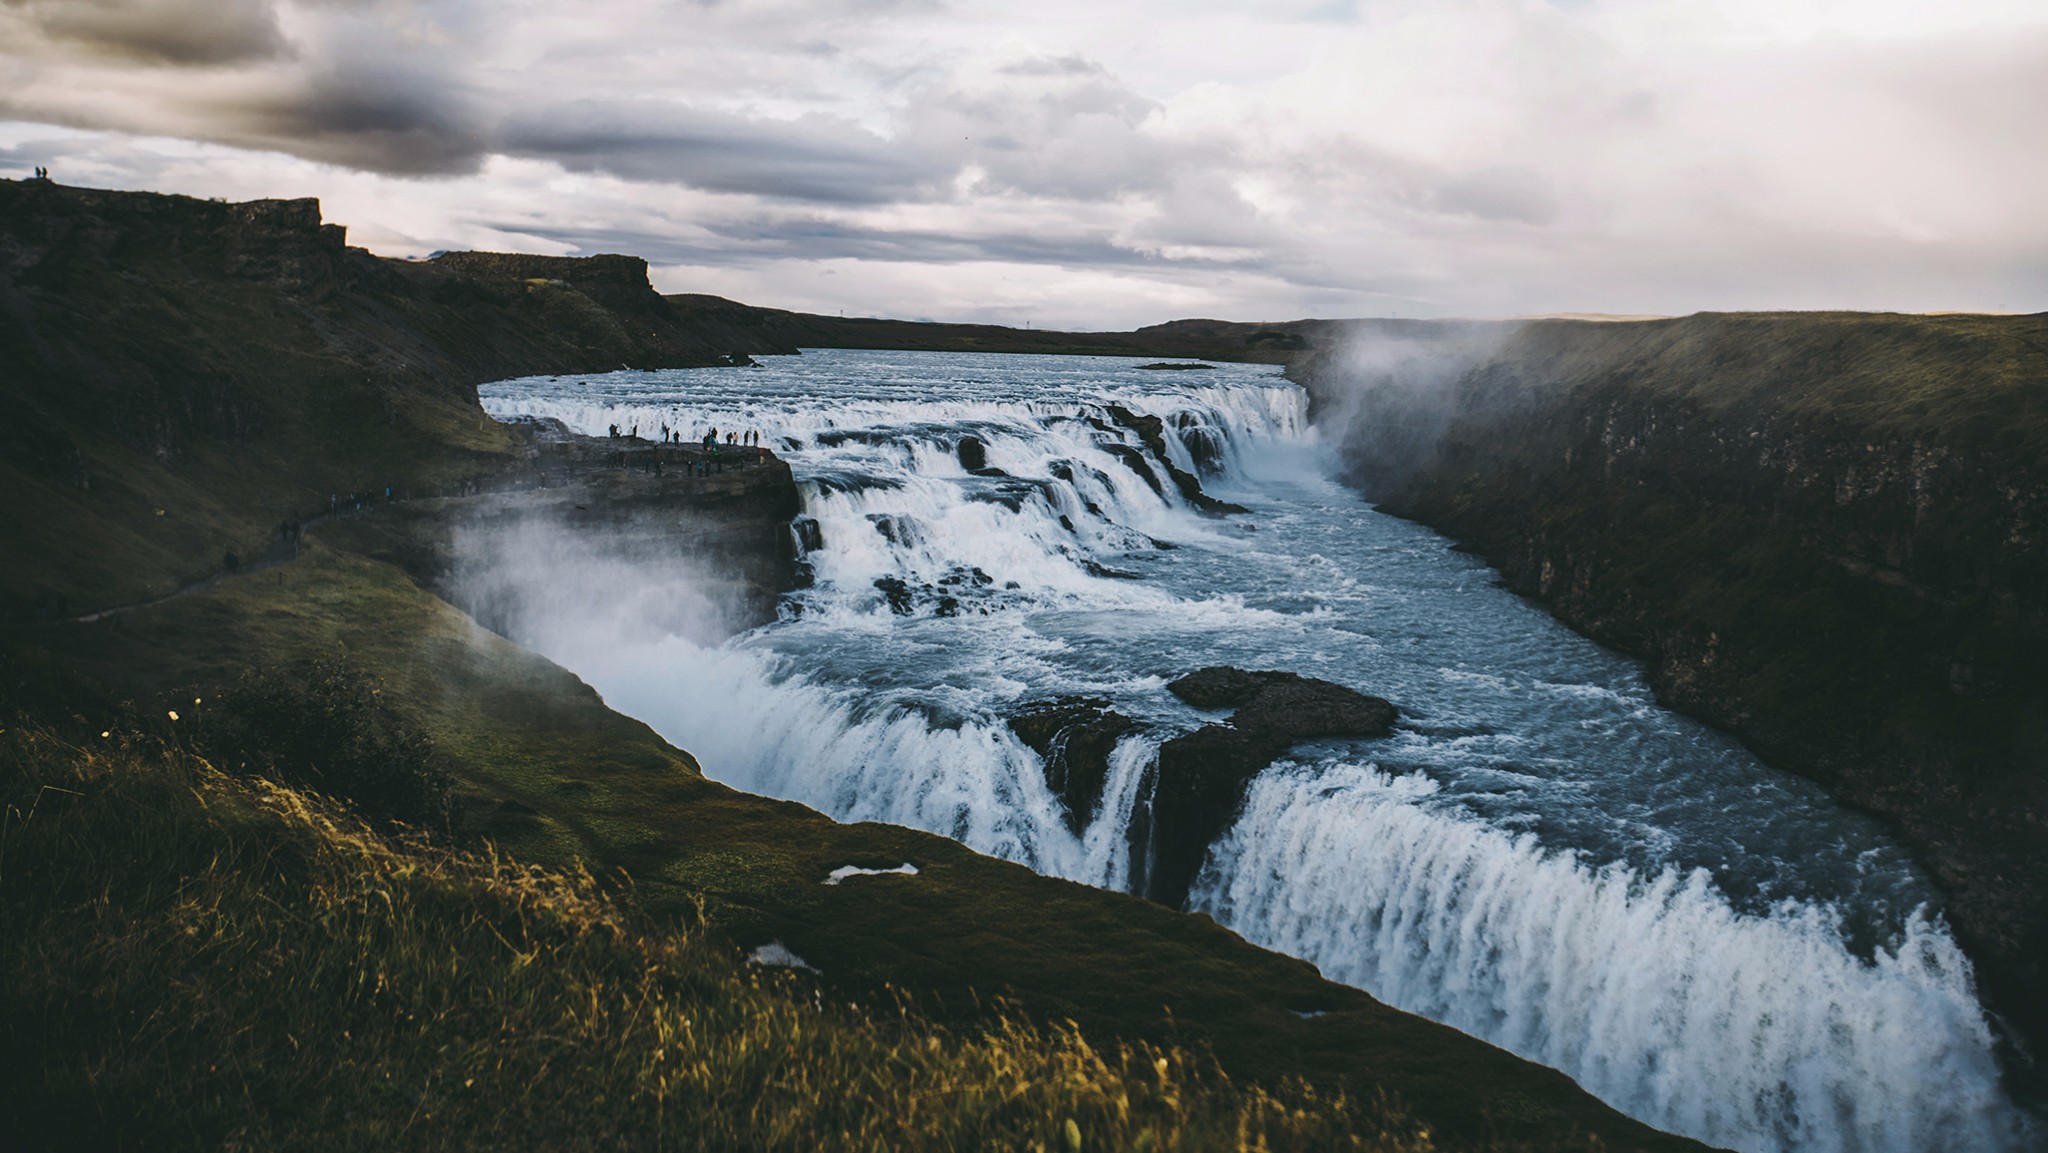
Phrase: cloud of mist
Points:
(1385, 391)
(562, 588)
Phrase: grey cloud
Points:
(1054, 66)
(816, 158)
(354, 94)
(1198, 210)
(1052, 126)
(383, 115)
(1514, 195)
(194, 33)
(764, 240)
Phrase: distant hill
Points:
(774, 330)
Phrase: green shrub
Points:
(329, 729)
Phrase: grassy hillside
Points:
(189, 960)
(1964, 383)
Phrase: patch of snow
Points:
(777, 953)
(844, 871)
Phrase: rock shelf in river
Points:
(1203, 774)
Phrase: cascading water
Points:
(1540, 856)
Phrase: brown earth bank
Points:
(1827, 533)
(228, 401)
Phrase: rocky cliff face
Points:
(606, 304)
(183, 374)
(1826, 533)
(1203, 774)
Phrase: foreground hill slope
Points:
(1825, 532)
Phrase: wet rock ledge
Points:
(1203, 775)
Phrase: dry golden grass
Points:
(193, 960)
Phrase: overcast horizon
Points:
(1103, 166)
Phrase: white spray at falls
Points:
(1540, 856)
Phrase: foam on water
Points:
(1540, 856)
(1644, 989)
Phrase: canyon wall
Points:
(183, 375)
(1826, 533)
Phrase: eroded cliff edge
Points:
(1827, 533)
(183, 375)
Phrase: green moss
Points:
(1958, 381)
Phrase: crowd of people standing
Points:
(717, 447)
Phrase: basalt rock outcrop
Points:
(1203, 774)
(1074, 737)
(1151, 431)
(973, 454)
(1827, 533)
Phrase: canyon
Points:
(1821, 533)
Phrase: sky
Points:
(1103, 164)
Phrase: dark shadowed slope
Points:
(181, 375)
(1827, 532)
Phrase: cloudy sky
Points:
(1104, 163)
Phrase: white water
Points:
(1541, 856)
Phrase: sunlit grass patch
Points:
(190, 959)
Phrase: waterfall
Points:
(1541, 857)
(1646, 990)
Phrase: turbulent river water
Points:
(1540, 855)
